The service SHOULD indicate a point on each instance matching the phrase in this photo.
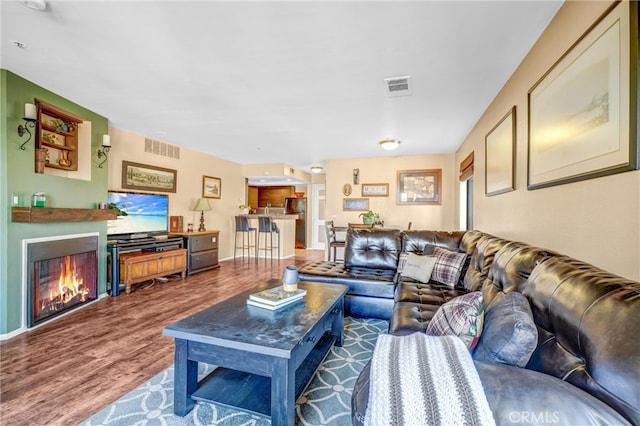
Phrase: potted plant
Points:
(244, 208)
(369, 217)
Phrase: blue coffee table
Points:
(265, 358)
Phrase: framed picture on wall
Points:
(499, 148)
(149, 178)
(355, 204)
(583, 111)
(419, 187)
(211, 187)
(375, 189)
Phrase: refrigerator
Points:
(298, 206)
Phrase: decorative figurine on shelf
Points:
(189, 227)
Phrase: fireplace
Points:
(61, 274)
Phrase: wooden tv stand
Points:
(143, 266)
(136, 260)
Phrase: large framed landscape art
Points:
(583, 111)
(419, 187)
(148, 178)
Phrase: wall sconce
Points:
(202, 206)
(356, 176)
(389, 144)
(30, 120)
(104, 151)
(316, 169)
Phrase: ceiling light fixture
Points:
(35, 4)
(389, 144)
(316, 169)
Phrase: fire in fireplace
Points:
(61, 275)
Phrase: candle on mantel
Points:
(30, 111)
(106, 140)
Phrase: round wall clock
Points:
(346, 189)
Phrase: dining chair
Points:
(332, 241)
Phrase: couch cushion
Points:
(481, 260)
(415, 266)
(448, 266)
(372, 248)
(509, 335)
(511, 267)
(415, 241)
(518, 396)
(376, 283)
(587, 326)
(462, 317)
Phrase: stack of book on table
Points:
(275, 298)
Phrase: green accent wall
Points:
(17, 176)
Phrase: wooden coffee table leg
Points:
(337, 327)
(185, 379)
(283, 393)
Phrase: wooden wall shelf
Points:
(50, 214)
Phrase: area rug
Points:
(325, 401)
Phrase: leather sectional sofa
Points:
(585, 366)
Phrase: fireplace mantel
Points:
(51, 214)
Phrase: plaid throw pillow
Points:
(448, 266)
(462, 316)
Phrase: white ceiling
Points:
(277, 82)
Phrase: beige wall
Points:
(383, 170)
(596, 220)
(191, 166)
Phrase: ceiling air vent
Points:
(398, 86)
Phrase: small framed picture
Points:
(419, 187)
(375, 189)
(355, 204)
(211, 187)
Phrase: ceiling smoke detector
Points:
(398, 86)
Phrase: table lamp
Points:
(202, 206)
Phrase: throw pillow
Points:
(462, 317)
(449, 265)
(428, 249)
(510, 336)
(415, 266)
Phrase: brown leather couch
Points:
(585, 368)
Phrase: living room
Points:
(583, 219)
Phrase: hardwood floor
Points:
(68, 369)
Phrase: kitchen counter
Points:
(275, 216)
(287, 225)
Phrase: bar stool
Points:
(268, 226)
(242, 226)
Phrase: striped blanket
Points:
(425, 380)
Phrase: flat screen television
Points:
(140, 215)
